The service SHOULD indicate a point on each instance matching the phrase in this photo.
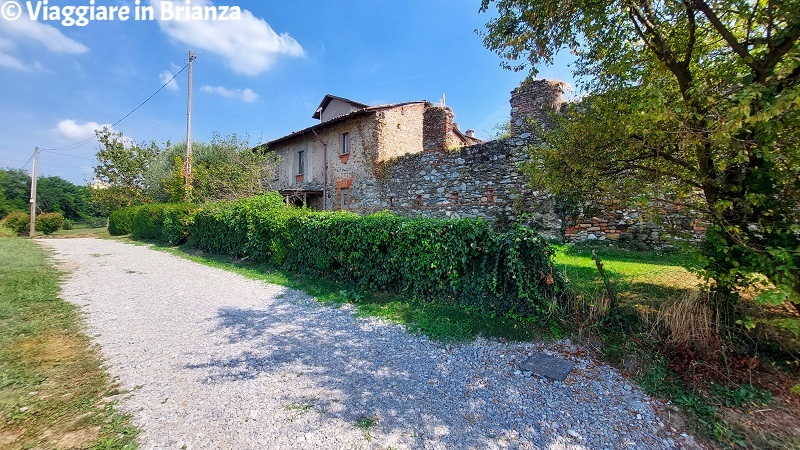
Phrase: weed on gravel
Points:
(53, 391)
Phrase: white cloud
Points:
(245, 95)
(249, 46)
(11, 62)
(167, 76)
(47, 35)
(24, 30)
(73, 130)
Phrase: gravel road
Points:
(215, 360)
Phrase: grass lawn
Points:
(638, 277)
(53, 391)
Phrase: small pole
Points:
(188, 167)
(612, 307)
(33, 192)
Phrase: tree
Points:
(55, 194)
(15, 191)
(223, 169)
(121, 167)
(699, 99)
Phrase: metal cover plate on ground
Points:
(550, 367)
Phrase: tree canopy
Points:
(54, 195)
(697, 99)
(223, 169)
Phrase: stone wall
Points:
(609, 221)
(534, 101)
(477, 181)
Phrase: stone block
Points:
(547, 366)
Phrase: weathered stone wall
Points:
(534, 102)
(407, 160)
(437, 129)
(608, 221)
(477, 181)
(400, 131)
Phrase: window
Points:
(301, 162)
(345, 143)
(345, 197)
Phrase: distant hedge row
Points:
(163, 222)
(461, 262)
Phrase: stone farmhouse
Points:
(411, 158)
(331, 165)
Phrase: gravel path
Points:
(215, 360)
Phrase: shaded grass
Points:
(638, 277)
(53, 391)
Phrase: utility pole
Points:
(33, 192)
(188, 168)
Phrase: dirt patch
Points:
(776, 425)
(8, 437)
(52, 349)
(83, 438)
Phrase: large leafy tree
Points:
(15, 191)
(55, 194)
(223, 169)
(121, 171)
(698, 99)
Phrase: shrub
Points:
(18, 222)
(176, 221)
(68, 224)
(48, 223)
(120, 222)
(460, 262)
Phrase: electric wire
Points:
(86, 141)
(71, 156)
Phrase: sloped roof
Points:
(327, 100)
(323, 125)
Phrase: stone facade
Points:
(411, 159)
(476, 181)
(533, 103)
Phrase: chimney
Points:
(534, 101)
(470, 133)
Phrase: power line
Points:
(86, 141)
(26, 162)
(72, 156)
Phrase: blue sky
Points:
(263, 75)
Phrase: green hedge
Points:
(18, 222)
(49, 223)
(462, 262)
(120, 222)
(162, 222)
